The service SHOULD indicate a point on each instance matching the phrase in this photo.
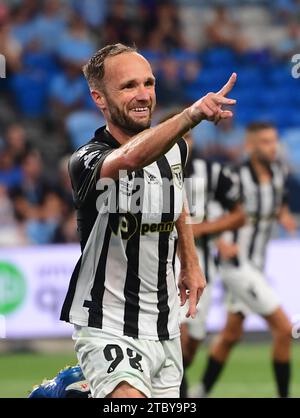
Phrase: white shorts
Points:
(247, 290)
(197, 326)
(107, 359)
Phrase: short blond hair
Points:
(94, 71)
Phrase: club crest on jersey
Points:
(177, 175)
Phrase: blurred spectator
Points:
(34, 184)
(42, 228)
(67, 231)
(230, 138)
(222, 142)
(30, 84)
(223, 31)
(117, 25)
(64, 182)
(9, 46)
(169, 88)
(167, 31)
(286, 9)
(94, 12)
(50, 24)
(192, 69)
(17, 144)
(289, 46)
(23, 29)
(76, 44)
(68, 90)
(10, 173)
(11, 233)
(81, 126)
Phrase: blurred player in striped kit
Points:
(211, 184)
(261, 181)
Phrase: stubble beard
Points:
(125, 122)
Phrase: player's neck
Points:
(262, 171)
(118, 133)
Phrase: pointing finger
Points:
(228, 86)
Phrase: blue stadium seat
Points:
(275, 96)
(246, 96)
(247, 114)
(219, 57)
(280, 115)
(279, 74)
(250, 77)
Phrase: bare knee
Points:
(231, 337)
(283, 335)
(233, 331)
(281, 326)
(125, 390)
(190, 354)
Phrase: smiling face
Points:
(127, 99)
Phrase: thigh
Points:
(107, 360)
(249, 291)
(166, 383)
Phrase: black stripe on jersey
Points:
(174, 256)
(163, 249)
(183, 147)
(274, 205)
(132, 282)
(257, 213)
(97, 292)
(209, 191)
(206, 257)
(235, 260)
(65, 312)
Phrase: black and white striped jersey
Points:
(124, 278)
(211, 187)
(261, 202)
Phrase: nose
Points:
(143, 94)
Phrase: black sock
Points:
(183, 386)
(282, 371)
(211, 374)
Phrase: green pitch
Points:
(248, 373)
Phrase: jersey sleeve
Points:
(84, 168)
(227, 191)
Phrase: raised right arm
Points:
(147, 146)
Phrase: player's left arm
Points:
(286, 219)
(228, 194)
(191, 277)
(230, 221)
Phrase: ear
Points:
(248, 143)
(99, 99)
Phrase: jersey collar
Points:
(103, 135)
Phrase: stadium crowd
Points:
(46, 111)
